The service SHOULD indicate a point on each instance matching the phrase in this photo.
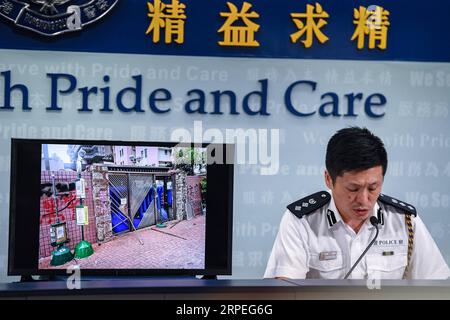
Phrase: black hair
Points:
(354, 149)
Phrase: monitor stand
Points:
(112, 278)
(41, 278)
(26, 279)
(130, 277)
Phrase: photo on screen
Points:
(113, 207)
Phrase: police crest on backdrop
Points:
(53, 17)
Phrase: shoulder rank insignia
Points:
(309, 204)
(403, 206)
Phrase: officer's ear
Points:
(328, 180)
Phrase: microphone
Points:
(374, 221)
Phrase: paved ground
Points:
(157, 251)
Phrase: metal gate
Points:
(132, 201)
(118, 194)
(142, 200)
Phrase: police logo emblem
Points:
(53, 17)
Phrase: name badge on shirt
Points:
(328, 255)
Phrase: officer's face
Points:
(356, 192)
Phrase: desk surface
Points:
(231, 289)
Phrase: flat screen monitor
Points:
(120, 208)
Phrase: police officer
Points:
(323, 235)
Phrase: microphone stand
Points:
(374, 222)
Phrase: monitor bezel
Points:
(225, 171)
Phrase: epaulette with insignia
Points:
(309, 204)
(403, 206)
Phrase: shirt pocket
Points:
(386, 267)
(325, 269)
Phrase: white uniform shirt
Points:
(321, 245)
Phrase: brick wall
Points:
(179, 193)
(194, 195)
(102, 203)
(187, 190)
(48, 215)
